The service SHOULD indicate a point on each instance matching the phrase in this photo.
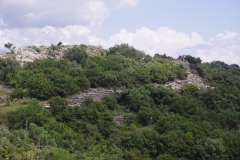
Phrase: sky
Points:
(206, 29)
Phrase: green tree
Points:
(165, 157)
(8, 69)
(215, 148)
(40, 135)
(127, 51)
(76, 53)
(135, 98)
(57, 105)
(10, 47)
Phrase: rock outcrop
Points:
(95, 94)
(119, 119)
(30, 53)
(191, 79)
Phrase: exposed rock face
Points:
(191, 79)
(119, 119)
(29, 54)
(95, 94)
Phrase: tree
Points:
(192, 60)
(57, 104)
(165, 157)
(76, 54)
(59, 44)
(8, 68)
(10, 47)
(135, 98)
(127, 51)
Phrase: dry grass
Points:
(10, 55)
(4, 91)
(8, 106)
(13, 105)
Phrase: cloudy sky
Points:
(203, 28)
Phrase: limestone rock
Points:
(119, 119)
(95, 94)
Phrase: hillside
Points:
(31, 53)
(86, 102)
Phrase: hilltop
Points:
(86, 102)
(31, 53)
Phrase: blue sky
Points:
(206, 29)
(206, 17)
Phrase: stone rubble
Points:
(119, 119)
(95, 94)
(29, 54)
(191, 79)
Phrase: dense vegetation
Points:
(160, 123)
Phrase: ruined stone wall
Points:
(95, 94)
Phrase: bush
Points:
(76, 54)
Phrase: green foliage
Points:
(157, 122)
(165, 157)
(127, 51)
(110, 102)
(10, 47)
(40, 135)
(57, 154)
(83, 83)
(191, 59)
(164, 56)
(33, 113)
(135, 98)
(219, 73)
(8, 68)
(77, 54)
(46, 78)
(57, 105)
(19, 93)
(173, 122)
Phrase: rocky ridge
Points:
(31, 53)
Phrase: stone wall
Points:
(95, 94)
(119, 119)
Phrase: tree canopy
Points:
(142, 120)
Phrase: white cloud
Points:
(163, 40)
(58, 13)
(128, 2)
(44, 36)
(222, 47)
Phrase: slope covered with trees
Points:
(159, 123)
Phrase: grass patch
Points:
(7, 106)
(4, 91)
